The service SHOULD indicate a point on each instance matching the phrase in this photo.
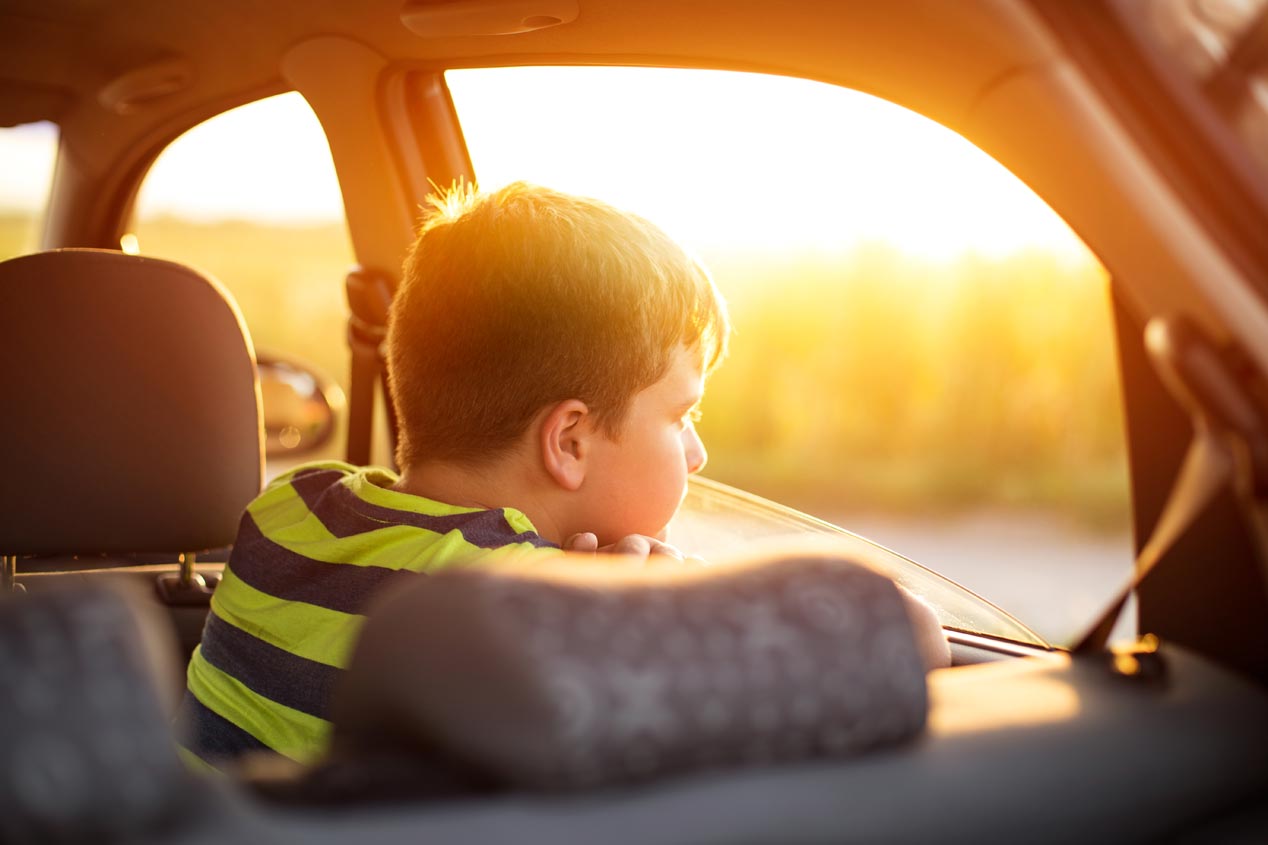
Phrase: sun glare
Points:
(267, 161)
(723, 160)
(28, 153)
(732, 160)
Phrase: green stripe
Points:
(281, 514)
(373, 486)
(196, 764)
(285, 478)
(291, 733)
(283, 517)
(317, 633)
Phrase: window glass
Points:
(28, 152)
(251, 198)
(923, 351)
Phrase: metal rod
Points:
(187, 568)
(9, 580)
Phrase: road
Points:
(1053, 576)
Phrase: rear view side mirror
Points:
(301, 406)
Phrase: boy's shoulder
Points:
(337, 469)
(346, 499)
(296, 488)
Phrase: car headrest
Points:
(132, 414)
(585, 673)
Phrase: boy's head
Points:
(516, 301)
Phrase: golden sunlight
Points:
(267, 162)
(917, 334)
(1000, 697)
(723, 160)
(731, 160)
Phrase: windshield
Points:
(717, 520)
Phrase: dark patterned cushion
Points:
(85, 752)
(590, 672)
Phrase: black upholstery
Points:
(132, 421)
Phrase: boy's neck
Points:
(504, 484)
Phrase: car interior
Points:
(135, 435)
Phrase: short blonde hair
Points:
(514, 300)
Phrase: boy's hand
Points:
(636, 545)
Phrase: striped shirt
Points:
(310, 552)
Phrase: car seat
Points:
(132, 425)
(134, 422)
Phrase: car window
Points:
(29, 152)
(923, 351)
(722, 521)
(251, 197)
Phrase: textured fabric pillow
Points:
(592, 671)
(85, 754)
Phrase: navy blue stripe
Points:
(345, 514)
(210, 735)
(283, 574)
(296, 682)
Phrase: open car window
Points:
(723, 520)
(251, 197)
(30, 151)
(923, 350)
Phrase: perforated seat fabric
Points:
(85, 755)
(585, 674)
(131, 406)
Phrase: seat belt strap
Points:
(1230, 446)
(369, 301)
(1206, 469)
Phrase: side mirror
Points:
(301, 406)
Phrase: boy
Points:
(547, 355)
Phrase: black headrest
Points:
(132, 412)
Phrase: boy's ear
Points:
(564, 437)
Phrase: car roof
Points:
(58, 58)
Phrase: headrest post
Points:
(187, 569)
(9, 578)
(185, 587)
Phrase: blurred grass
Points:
(878, 381)
(870, 380)
(288, 280)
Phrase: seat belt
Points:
(1229, 446)
(369, 301)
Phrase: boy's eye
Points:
(693, 416)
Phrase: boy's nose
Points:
(697, 456)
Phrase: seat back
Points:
(131, 418)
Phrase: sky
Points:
(721, 160)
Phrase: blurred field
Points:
(869, 381)
(875, 381)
